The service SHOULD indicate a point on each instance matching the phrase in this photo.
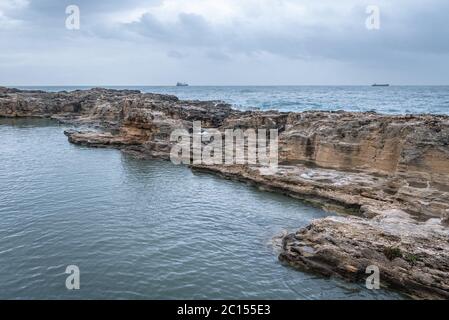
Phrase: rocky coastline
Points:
(387, 176)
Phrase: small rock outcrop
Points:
(411, 256)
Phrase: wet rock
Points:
(412, 256)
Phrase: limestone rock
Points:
(390, 171)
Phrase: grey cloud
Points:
(407, 29)
(190, 30)
(218, 55)
(411, 44)
(176, 54)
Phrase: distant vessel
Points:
(182, 84)
(381, 85)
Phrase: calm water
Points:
(139, 229)
(391, 100)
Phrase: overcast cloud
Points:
(223, 42)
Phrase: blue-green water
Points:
(140, 229)
(390, 100)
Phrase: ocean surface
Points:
(140, 229)
(389, 100)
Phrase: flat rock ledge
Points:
(387, 177)
(412, 257)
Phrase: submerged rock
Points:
(392, 172)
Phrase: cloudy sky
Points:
(223, 42)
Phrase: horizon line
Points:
(220, 85)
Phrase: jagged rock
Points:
(411, 256)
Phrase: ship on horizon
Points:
(381, 85)
(182, 84)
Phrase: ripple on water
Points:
(140, 229)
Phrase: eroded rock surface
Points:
(411, 256)
(391, 171)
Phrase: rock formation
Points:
(389, 173)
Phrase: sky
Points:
(224, 42)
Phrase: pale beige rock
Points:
(412, 256)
